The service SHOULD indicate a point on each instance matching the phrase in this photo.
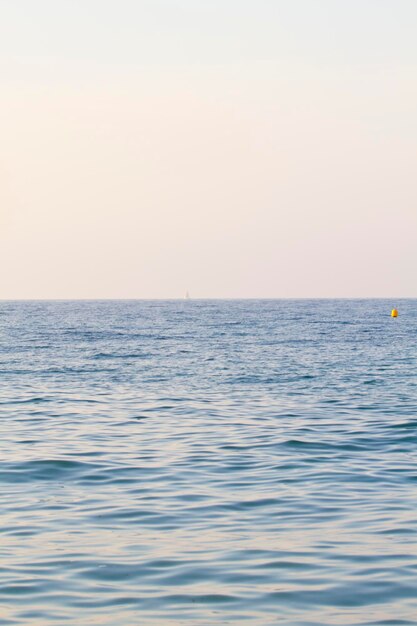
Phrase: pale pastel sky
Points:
(231, 148)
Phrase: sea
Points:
(202, 462)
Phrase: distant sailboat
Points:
(187, 296)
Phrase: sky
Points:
(228, 148)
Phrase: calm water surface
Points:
(208, 462)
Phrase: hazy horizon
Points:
(211, 299)
(235, 150)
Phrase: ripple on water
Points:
(208, 463)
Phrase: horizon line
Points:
(191, 299)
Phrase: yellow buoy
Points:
(394, 313)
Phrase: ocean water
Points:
(208, 462)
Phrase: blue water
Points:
(208, 462)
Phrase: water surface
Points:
(208, 462)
